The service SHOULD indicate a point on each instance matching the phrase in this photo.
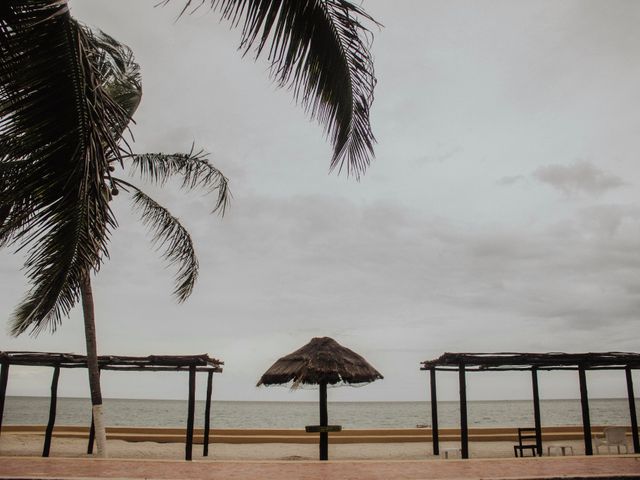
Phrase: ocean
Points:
(227, 414)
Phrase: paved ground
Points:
(521, 468)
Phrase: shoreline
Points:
(279, 444)
(17, 445)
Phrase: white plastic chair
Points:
(613, 437)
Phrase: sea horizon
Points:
(330, 401)
(249, 414)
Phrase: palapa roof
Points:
(321, 360)
(111, 362)
(540, 361)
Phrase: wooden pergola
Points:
(153, 363)
(533, 362)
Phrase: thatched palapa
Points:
(322, 360)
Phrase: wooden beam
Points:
(151, 362)
(4, 379)
(324, 421)
(190, 413)
(464, 428)
(584, 402)
(536, 410)
(435, 434)
(52, 412)
(632, 411)
(320, 429)
(207, 415)
(527, 360)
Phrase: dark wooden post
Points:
(52, 411)
(190, 412)
(92, 437)
(4, 379)
(584, 401)
(207, 415)
(435, 439)
(536, 410)
(632, 410)
(324, 421)
(464, 428)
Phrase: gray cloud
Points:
(608, 219)
(279, 271)
(580, 177)
(511, 180)
(426, 253)
(440, 155)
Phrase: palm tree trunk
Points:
(92, 365)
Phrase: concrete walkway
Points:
(627, 466)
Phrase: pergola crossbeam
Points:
(533, 362)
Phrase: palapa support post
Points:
(536, 410)
(632, 410)
(92, 436)
(464, 428)
(207, 415)
(435, 439)
(190, 413)
(584, 401)
(324, 421)
(52, 411)
(4, 379)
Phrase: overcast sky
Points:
(501, 213)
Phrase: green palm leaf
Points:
(193, 167)
(56, 201)
(170, 237)
(319, 49)
(118, 71)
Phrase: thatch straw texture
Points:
(321, 360)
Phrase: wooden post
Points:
(632, 410)
(92, 436)
(4, 379)
(584, 401)
(464, 428)
(52, 411)
(190, 412)
(434, 412)
(536, 410)
(207, 415)
(324, 421)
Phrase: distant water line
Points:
(229, 414)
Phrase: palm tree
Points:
(66, 98)
(32, 216)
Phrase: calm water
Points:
(172, 413)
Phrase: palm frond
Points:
(170, 237)
(14, 213)
(58, 121)
(193, 167)
(319, 49)
(117, 69)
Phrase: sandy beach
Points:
(31, 445)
